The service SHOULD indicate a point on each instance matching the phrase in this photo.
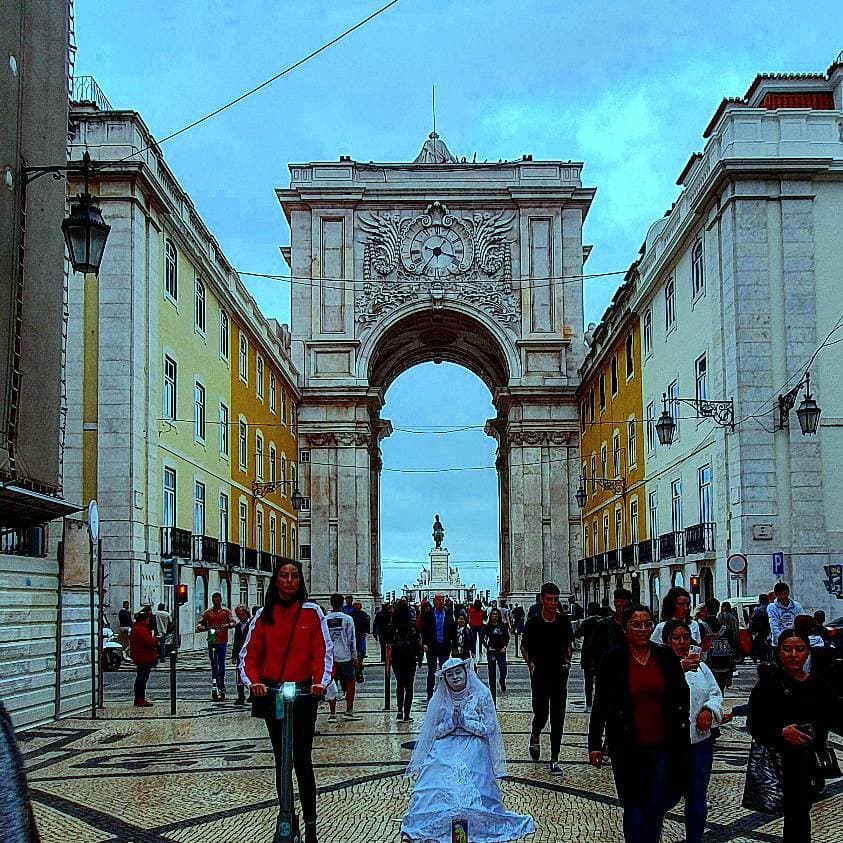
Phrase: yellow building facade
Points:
(611, 486)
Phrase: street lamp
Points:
(722, 413)
(808, 412)
(85, 231)
(260, 489)
(296, 498)
(616, 485)
(581, 495)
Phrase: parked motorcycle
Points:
(112, 650)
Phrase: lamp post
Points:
(808, 413)
(616, 485)
(722, 413)
(85, 231)
(261, 489)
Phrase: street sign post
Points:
(777, 564)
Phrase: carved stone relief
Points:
(437, 255)
(537, 438)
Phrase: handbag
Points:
(763, 790)
(824, 762)
(265, 707)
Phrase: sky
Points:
(625, 88)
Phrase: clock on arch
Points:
(437, 244)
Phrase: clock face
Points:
(435, 250)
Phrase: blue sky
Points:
(626, 88)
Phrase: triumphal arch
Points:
(475, 263)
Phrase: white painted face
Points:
(456, 678)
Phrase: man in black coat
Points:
(438, 633)
(380, 628)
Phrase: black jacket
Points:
(241, 630)
(428, 630)
(612, 711)
(405, 645)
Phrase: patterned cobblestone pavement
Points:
(206, 775)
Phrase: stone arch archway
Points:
(472, 264)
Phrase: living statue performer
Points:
(457, 760)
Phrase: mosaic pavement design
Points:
(138, 776)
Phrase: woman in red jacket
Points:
(143, 647)
(288, 641)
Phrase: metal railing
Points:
(699, 538)
(233, 554)
(175, 542)
(671, 545)
(612, 560)
(206, 549)
(581, 567)
(87, 90)
(23, 541)
(250, 558)
(645, 551)
(265, 561)
(628, 555)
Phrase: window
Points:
(595, 546)
(618, 528)
(653, 507)
(613, 370)
(293, 551)
(198, 509)
(258, 455)
(283, 538)
(593, 474)
(585, 538)
(630, 355)
(292, 475)
(223, 431)
(272, 458)
(676, 505)
(647, 331)
(582, 416)
(292, 416)
(243, 360)
(673, 405)
(242, 446)
(633, 520)
(701, 372)
(244, 591)
(272, 392)
(169, 403)
(605, 531)
(199, 411)
(199, 306)
(261, 592)
(171, 271)
(259, 528)
(616, 454)
(283, 405)
(669, 305)
(603, 460)
(283, 477)
(273, 534)
(223, 335)
(631, 443)
(697, 274)
(168, 514)
(243, 524)
(651, 427)
(591, 406)
(704, 477)
(601, 386)
(259, 377)
(223, 517)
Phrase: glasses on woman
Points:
(641, 625)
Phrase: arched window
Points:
(199, 306)
(697, 271)
(200, 596)
(171, 272)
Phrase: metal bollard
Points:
(387, 693)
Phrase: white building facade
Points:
(739, 296)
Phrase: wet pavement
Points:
(207, 774)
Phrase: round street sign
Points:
(736, 563)
(93, 521)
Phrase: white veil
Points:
(441, 705)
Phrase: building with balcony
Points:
(738, 297)
(612, 456)
(182, 395)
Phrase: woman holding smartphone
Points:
(706, 711)
(793, 711)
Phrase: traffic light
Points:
(834, 583)
(695, 583)
(181, 593)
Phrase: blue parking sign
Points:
(778, 564)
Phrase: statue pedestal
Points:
(440, 579)
(439, 569)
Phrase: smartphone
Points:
(695, 650)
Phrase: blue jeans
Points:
(641, 782)
(696, 809)
(216, 653)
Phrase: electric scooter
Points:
(287, 825)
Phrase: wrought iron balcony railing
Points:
(176, 542)
(699, 538)
(645, 551)
(206, 549)
(671, 545)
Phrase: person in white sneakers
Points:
(341, 629)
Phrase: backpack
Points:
(719, 653)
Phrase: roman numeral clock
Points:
(437, 245)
